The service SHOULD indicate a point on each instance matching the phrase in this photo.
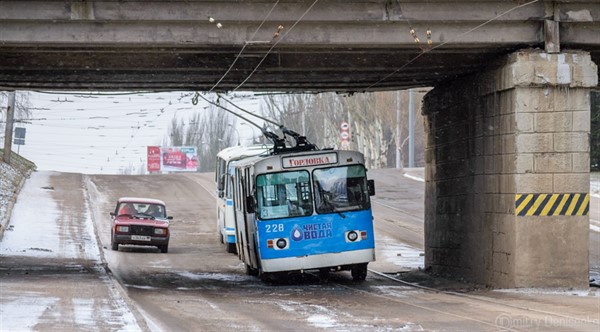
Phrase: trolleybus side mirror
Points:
(250, 206)
(371, 187)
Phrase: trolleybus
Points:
(223, 177)
(304, 211)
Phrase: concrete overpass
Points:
(508, 120)
(333, 45)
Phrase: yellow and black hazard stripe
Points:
(552, 204)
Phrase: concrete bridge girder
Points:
(337, 45)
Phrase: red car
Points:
(140, 221)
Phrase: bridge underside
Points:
(340, 45)
(344, 69)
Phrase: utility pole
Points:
(411, 129)
(398, 117)
(8, 133)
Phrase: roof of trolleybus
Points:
(241, 152)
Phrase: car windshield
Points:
(142, 209)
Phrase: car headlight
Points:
(160, 231)
(123, 229)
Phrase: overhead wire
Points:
(230, 111)
(145, 118)
(250, 113)
(244, 47)
(424, 51)
(272, 136)
(275, 44)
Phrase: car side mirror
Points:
(170, 217)
(112, 214)
(250, 206)
(371, 187)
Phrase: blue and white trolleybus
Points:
(224, 182)
(303, 211)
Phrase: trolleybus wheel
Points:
(231, 248)
(359, 272)
(324, 274)
(251, 271)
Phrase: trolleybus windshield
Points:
(283, 195)
(341, 189)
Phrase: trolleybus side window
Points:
(247, 185)
(341, 189)
(220, 175)
(238, 192)
(283, 195)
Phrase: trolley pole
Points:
(8, 133)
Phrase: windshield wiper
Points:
(146, 215)
(332, 207)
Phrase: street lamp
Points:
(237, 131)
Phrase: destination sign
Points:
(311, 160)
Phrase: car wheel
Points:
(114, 245)
(164, 249)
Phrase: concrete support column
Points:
(507, 172)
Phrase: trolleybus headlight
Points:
(281, 243)
(352, 236)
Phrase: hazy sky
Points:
(105, 133)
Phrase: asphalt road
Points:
(197, 286)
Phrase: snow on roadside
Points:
(25, 311)
(595, 184)
(401, 255)
(9, 178)
(36, 233)
(549, 291)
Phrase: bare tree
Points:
(209, 131)
(22, 104)
(372, 119)
(22, 108)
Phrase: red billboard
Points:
(179, 159)
(153, 159)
